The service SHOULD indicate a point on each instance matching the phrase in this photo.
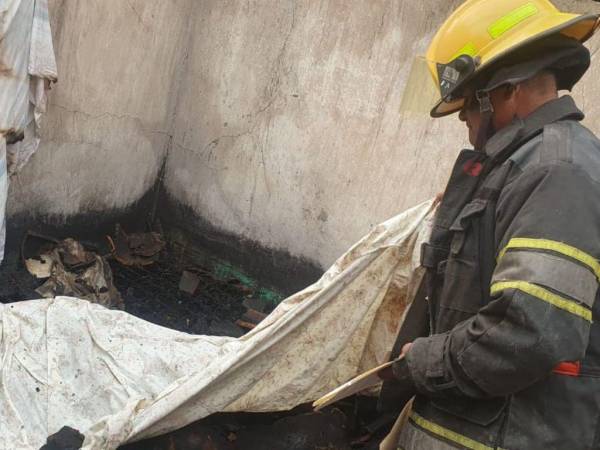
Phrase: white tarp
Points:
(27, 67)
(117, 378)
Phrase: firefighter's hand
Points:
(387, 373)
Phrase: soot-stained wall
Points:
(305, 122)
(110, 115)
(297, 130)
(293, 125)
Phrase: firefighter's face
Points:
(504, 103)
(471, 116)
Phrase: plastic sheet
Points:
(117, 378)
(27, 66)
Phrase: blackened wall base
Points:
(277, 268)
(274, 268)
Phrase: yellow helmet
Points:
(482, 32)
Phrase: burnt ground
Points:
(152, 293)
(350, 424)
(16, 284)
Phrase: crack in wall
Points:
(382, 106)
(88, 116)
(272, 93)
(100, 116)
(261, 121)
(137, 14)
(208, 148)
(185, 41)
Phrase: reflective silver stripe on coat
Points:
(554, 272)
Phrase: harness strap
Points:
(487, 113)
(557, 143)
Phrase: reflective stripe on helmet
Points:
(469, 50)
(512, 19)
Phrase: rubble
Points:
(137, 249)
(189, 282)
(255, 303)
(71, 270)
(153, 293)
(169, 292)
(250, 319)
(40, 267)
(175, 293)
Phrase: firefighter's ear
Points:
(511, 91)
(505, 100)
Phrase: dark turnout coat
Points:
(513, 356)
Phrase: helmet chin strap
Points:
(485, 125)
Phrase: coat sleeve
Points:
(542, 291)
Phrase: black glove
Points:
(65, 439)
(398, 390)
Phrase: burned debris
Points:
(137, 249)
(177, 293)
(71, 270)
(140, 273)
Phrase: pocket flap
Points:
(474, 208)
(479, 412)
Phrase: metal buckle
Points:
(485, 104)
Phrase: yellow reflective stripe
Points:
(545, 295)
(468, 49)
(448, 434)
(555, 246)
(511, 20)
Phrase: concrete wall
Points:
(295, 124)
(291, 132)
(107, 130)
(304, 123)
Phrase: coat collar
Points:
(507, 140)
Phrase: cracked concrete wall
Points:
(295, 124)
(302, 123)
(290, 132)
(107, 129)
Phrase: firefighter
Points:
(511, 357)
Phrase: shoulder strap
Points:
(556, 143)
